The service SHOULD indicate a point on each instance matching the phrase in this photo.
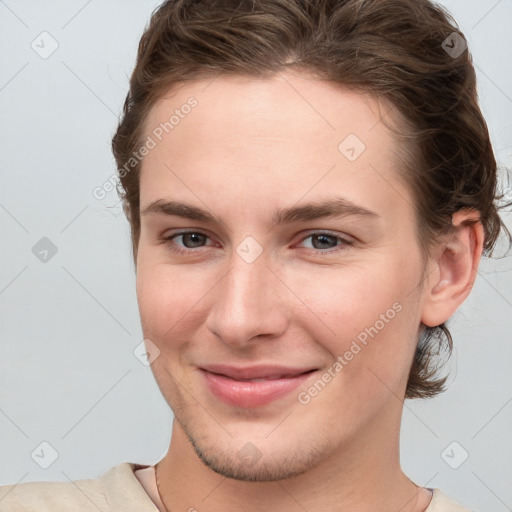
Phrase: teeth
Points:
(264, 379)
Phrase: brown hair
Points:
(407, 52)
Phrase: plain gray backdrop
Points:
(69, 321)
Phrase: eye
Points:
(191, 240)
(320, 240)
(196, 240)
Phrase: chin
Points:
(262, 461)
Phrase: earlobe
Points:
(455, 268)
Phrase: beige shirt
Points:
(126, 487)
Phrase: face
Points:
(264, 280)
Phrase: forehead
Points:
(264, 108)
(287, 136)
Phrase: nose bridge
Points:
(248, 302)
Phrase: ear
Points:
(453, 269)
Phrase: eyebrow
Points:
(335, 207)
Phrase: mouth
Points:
(253, 387)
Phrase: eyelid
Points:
(345, 241)
(171, 237)
(342, 236)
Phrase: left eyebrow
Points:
(334, 207)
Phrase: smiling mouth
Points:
(253, 392)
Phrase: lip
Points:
(242, 393)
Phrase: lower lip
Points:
(251, 394)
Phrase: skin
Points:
(249, 147)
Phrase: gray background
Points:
(69, 326)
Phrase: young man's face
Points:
(247, 293)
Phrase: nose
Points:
(249, 302)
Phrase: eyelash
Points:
(178, 250)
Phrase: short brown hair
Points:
(393, 49)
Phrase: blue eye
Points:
(325, 238)
(195, 240)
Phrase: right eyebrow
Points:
(178, 209)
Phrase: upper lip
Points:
(255, 372)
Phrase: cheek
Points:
(162, 297)
(171, 300)
(349, 298)
(368, 315)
